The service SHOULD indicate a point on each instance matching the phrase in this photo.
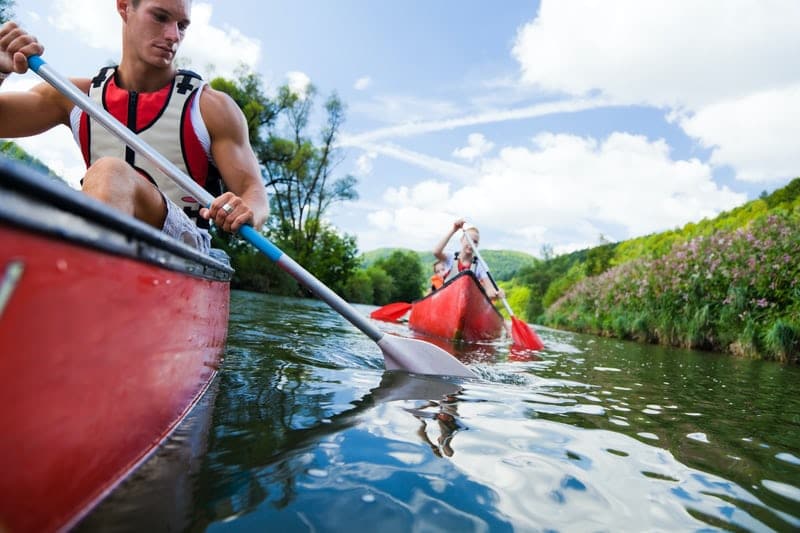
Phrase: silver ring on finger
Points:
(228, 208)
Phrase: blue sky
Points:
(543, 123)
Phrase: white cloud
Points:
(364, 163)
(433, 164)
(406, 226)
(756, 134)
(221, 50)
(362, 83)
(409, 217)
(97, 27)
(477, 146)
(565, 189)
(624, 180)
(408, 128)
(299, 83)
(381, 219)
(403, 109)
(425, 195)
(660, 52)
(715, 60)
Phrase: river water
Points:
(304, 431)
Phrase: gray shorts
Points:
(179, 226)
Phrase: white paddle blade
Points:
(420, 357)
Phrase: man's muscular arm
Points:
(23, 114)
(234, 157)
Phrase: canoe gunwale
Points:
(50, 208)
(450, 281)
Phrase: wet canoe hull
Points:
(109, 336)
(459, 311)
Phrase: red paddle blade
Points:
(391, 312)
(524, 336)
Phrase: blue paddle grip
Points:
(35, 62)
(260, 242)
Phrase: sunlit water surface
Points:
(304, 431)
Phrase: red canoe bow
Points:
(459, 311)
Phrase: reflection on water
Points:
(309, 434)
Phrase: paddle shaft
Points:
(68, 89)
(486, 268)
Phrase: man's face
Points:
(156, 28)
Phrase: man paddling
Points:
(197, 128)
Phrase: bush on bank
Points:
(736, 291)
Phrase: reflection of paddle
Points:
(391, 312)
(398, 353)
(394, 386)
(521, 333)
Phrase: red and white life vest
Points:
(164, 120)
(461, 267)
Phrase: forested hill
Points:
(504, 264)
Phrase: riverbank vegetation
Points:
(730, 284)
(732, 290)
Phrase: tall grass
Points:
(736, 291)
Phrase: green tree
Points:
(334, 258)
(788, 195)
(539, 277)
(6, 10)
(260, 111)
(406, 273)
(300, 173)
(13, 151)
(358, 288)
(252, 271)
(598, 259)
(382, 285)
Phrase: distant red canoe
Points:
(459, 311)
(110, 333)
